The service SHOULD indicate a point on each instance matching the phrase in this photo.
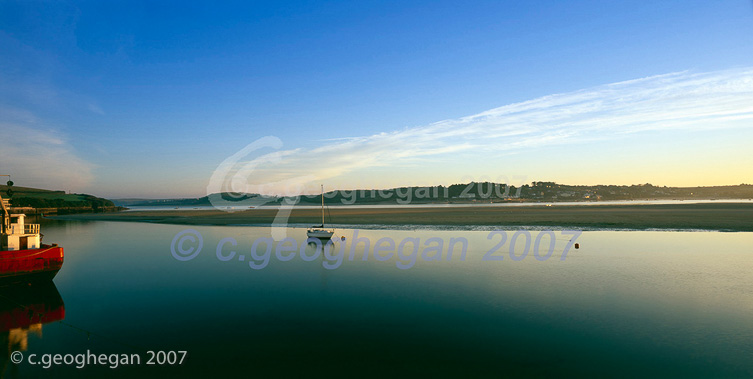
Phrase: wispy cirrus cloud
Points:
(37, 156)
(684, 101)
(34, 150)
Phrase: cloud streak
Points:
(684, 101)
(32, 150)
(39, 157)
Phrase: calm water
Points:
(624, 303)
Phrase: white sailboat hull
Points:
(320, 233)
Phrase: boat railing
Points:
(31, 228)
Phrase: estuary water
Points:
(624, 303)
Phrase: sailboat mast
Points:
(322, 205)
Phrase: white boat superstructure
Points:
(319, 231)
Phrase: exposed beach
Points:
(708, 216)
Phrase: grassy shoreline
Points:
(710, 216)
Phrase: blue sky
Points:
(147, 99)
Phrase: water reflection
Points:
(320, 250)
(644, 303)
(23, 310)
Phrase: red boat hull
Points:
(30, 265)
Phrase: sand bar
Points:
(711, 216)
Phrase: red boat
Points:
(23, 257)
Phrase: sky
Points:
(160, 99)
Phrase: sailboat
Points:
(318, 231)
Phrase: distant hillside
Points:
(185, 202)
(130, 201)
(53, 201)
(489, 192)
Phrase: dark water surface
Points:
(624, 304)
